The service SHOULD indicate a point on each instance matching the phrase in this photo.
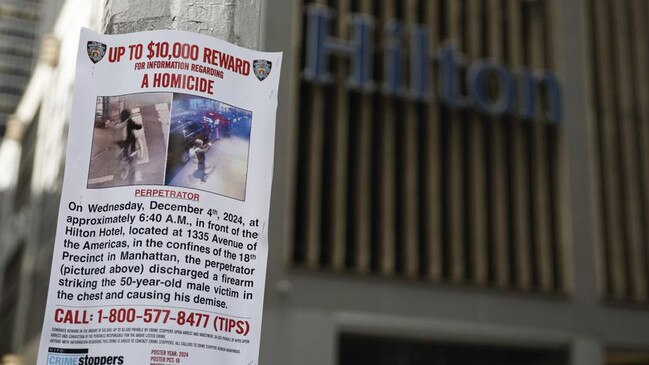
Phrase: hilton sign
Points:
(517, 92)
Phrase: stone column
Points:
(235, 21)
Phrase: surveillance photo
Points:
(208, 146)
(129, 140)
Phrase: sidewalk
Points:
(227, 166)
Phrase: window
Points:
(358, 349)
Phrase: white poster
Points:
(161, 246)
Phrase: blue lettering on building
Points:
(359, 49)
(491, 86)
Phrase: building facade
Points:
(423, 215)
(32, 155)
(455, 182)
(18, 38)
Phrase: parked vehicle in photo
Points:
(182, 134)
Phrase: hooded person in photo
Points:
(128, 145)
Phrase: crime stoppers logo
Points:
(261, 68)
(96, 51)
(61, 356)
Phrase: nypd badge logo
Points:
(96, 51)
(261, 68)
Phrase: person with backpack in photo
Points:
(129, 145)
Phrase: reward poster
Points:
(161, 245)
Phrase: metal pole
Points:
(235, 21)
